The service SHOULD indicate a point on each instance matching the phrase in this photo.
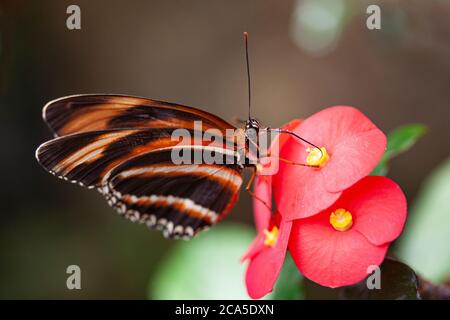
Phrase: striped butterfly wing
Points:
(93, 112)
(122, 146)
(180, 200)
(87, 158)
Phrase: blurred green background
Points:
(305, 55)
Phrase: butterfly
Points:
(123, 146)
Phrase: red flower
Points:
(266, 255)
(335, 247)
(351, 146)
(268, 250)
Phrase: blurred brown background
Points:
(191, 52)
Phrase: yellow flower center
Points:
(341, 219)
(271, 237)
(317, 157)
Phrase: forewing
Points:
(93, 112)
(86, 158)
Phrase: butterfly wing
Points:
(122, 145)
(86, 158)
(93, 112)
(134, 170)
(179, 199)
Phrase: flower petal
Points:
(261, 213)
(299, 191)
(289, 188)
(255, 247)
(332, 258)
(353, 158)
(354, 143)
(264, 267)
(378, 206)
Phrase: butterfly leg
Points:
(251, 180)
(295, 163)
(286, 160)
(251, 193)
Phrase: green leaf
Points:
(289, 285)
(403, 138)
(425, 242)
(398, 282)
(381, 169)
(206, 267)
(399, 141)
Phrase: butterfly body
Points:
(124, 147)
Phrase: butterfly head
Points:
(252, 124)
(251, 133)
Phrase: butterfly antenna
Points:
(248, 75)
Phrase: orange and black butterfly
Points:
(123, 147)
